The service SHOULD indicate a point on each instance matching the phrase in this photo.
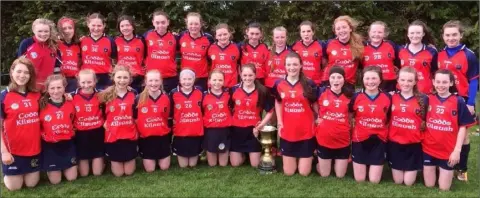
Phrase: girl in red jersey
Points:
(225, 55)
(295, 97)
(310, 50)
(160, 48)
(187, 120)
(56, 118)
(131, 50)
(333, 125)
(447, 120)
(88, 123)
(404, 149)
(371, 112)
(345, 50)
(153, 109)
(69, 47)
(249, 99)
(254, 50)
(463, 63)
(417, 54)
(193, 45)
(120, 130)
(217, 120)
(98, 50)
(20, 127)
(276, 61)
(382, 53)
(41, 49)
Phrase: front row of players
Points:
(59, 134)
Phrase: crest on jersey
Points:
(105, 49)
(203, 47)
(315, 54)
(454, 112)
(212, 57)
(325, 103)
(178, 106)
(360, 108)
(77, 108)
(417, 111)
(150, 42)
(137, 49)
(221, 146)
(282, 95)
(34, 163)
(233, 57)
(458, 66)
(48, 118)
(184, 44)
(14, 106)
(170, 43)
(34, 55)
(209, 107)
(112, 109)
(389, 55)
(84, 48)
(199, 103)
(238, 102)
(144, 109)
(366, 58)
(424, 63)
(334, 52)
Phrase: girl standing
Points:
(70, 56)
(276, 61)
(254, 50)
(311, 51)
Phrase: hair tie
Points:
(187, 71)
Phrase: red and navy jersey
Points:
(152, 116)
(70, 57)
(246, 111)
(311, 56)
(464, 66)
(276, 67)
(57, 121)
(216, 110)
(98, 54)
(333, 129)
(371, 115)
(44, 59)
(120, 115)
(88, 111)
(257, 55)
(406, 119)
(226, 59)
(383, 56)
(338, 53)
(21, 122)
(194, 52)
(187, 112)
(445, 116)
(131, 53)
(295, 106)
(424, 61)
(161, 51)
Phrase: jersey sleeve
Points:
(209, 37)
(434, 62)
(172, 102)
(465, 118)
(145, 46)
(426, 102)
(135, 107)
(269, 104)
(58, 63)
(352, 102)
(3, 94)
(472, 75)
(113, 55)
(275, 93)
(22, 49)
(389, 109)
(314, 88)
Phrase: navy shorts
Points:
(189, 146)
(405, 157)
(429, 160)
(170, 83)
(389, 85)
(369, 152)
(137, 83)
(121, 150)
(155, 147)
(90, 144)
(202, 83)
(330, 153)
(298, 149)
(71, 84)
(242, 140)
(103, 81)
(217, 140)
(23, 164)
(59, 155)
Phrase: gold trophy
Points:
(267, 161)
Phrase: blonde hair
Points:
(385, 26)
(194, 14)
(31, 84)
(52, 40)
(44, 99)
(110, 93)
(142, 98)
(272, 51)
(86, 72)
(356, 40)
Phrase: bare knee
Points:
(375, 180)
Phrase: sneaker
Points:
(462, 176)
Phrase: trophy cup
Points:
(267, 161)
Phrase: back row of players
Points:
(284, 72)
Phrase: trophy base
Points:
(266, 168)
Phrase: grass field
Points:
(204, 181)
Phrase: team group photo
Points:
(247, 99)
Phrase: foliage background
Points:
(17, 17)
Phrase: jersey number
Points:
(440, 111)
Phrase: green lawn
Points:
(244, 181)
